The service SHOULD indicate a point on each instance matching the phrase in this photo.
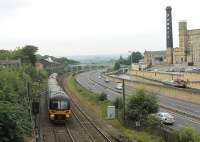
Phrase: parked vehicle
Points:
(166, 118)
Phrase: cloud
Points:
(8, 7)
(68, 27)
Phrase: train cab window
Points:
(63, 105)
(54, 105)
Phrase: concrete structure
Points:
(154, 57)
(188, 52)
(138, 67)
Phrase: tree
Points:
(65, 61)
(136, 56)
(140, 105)
(29, 54)
(5, 54)
(8, 132)
(117, 66)
(102, 96)
(188, 135)
(118, 103)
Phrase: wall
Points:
(193, 78)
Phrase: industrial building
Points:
(188, 52)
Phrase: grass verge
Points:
(90, 100)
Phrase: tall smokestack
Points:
(169, 35)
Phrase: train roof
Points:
(55, 91)
(53, 75)
(54, 88)
(58, 93)
(59, 96)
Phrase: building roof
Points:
(10, 62)
(160, 53)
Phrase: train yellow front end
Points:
(56, 115)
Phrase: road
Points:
(91, 81)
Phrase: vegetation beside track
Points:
(15, 103)
(91, 100)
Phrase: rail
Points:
(62, 133)
(87, 118)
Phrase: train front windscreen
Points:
(59, 105)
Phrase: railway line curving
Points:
(94, 133)
(79, 128)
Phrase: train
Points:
(58, 101)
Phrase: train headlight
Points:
(52, 116)
(67, 115)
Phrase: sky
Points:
(92, 27)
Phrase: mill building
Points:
(188, 52)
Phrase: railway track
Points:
(62, 134)
(94, 133)
(51, 132)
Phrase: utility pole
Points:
(123, 93)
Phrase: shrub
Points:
(102, 96)
(152, 121)
(8, 130)
(118, 103)
(140, 105)
(188, 135)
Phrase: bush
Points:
(8, 131)
(140, 105)
(117, 66)
(118, 103)
(188, 135)
(102, 96)
(152, 121)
